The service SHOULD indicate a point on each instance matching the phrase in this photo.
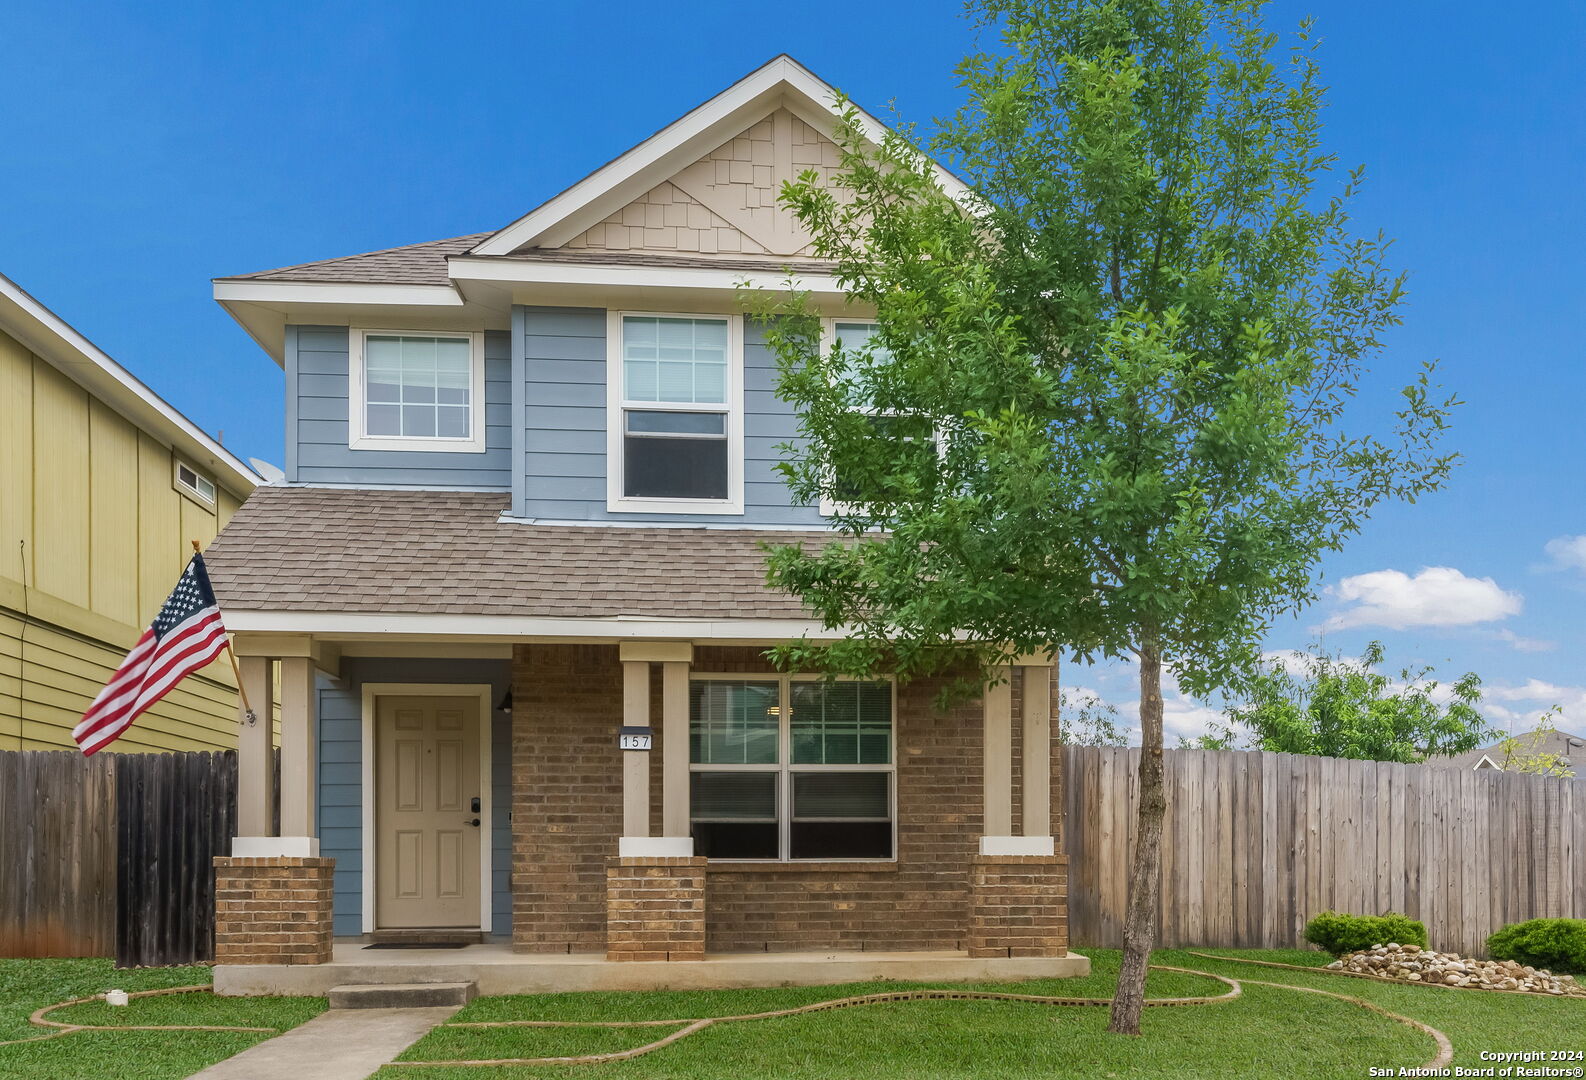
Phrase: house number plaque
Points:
(634, 738)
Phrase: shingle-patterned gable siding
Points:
(564, 364)
(317, 411)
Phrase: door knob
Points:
(474, 822)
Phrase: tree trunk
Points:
(1145, 877)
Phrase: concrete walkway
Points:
(340, 1044)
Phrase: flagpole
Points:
(242, 691)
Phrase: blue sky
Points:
(152, 148)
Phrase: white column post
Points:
(1037, 764)
(674, 748)
(299, 756)
(635, 763)
(997, 778)
(255, 746)
(674, 658)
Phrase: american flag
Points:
(185, 635)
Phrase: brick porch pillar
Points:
(1018, 905)
(655, 908)
(273, 910)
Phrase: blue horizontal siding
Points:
(562, 353)
(341, 776)
(317, 422)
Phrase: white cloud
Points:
(1532, 700)
(1524, 644)
(1437, 596)
(1567, 552)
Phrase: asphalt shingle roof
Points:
(447, 552)
(414, 264)
(425, 264)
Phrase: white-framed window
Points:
(855, 334)
(674, 394)
(792, 768)
(189, 481)
(416, 390)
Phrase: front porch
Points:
(497, 969)
(585, 857)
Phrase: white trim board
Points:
(782, 81)
(371, 691)
(522, 628)
(659, 276)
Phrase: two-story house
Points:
(103, 485)
(514, 588)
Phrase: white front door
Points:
(427, 820)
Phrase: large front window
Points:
(791, 768)
(417, 391)
(674, 415)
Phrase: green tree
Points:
(1084, 719)
(1134, 348)
(1528, 753)
(1334, 706)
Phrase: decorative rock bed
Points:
(1411, 963)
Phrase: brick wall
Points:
(1018, 905)
(566, 793)
(567, 815)
(655, 909)
(273, 911)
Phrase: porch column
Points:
(997, 776)
(255, 746)
(674, 658)
(1036, 681)
(1036, 790)
(635, 763)
(299, 757)
(655, 887)
(1018, 885)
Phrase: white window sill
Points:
(673, 506)
(436, 445)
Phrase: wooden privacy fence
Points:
(111, 855)
(1254, 844)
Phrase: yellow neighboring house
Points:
(102, 487)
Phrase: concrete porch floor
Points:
(499, 970)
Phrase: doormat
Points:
(418, 945)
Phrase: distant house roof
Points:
(302, 549)
(51, 337)
(1571, 748)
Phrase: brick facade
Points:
(567, 817)
(655, 909)
(273, 911)
(1018, 905)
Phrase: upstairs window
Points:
(676, 438)
(791, 768)
(417, 390)
(916, 439)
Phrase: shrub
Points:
(1559, 945)
(1341, 934)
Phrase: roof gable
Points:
(781, 111)
(726, 202)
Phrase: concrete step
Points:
(402, 995)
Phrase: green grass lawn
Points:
(131, 1055)
(1270, 1032)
